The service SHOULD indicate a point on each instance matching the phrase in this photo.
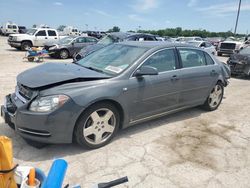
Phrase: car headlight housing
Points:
(48, 103)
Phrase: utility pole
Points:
(238, 13)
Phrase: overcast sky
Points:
(212, 15)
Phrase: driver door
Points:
(155, 94)
(40, 38)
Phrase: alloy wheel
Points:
(215, 96)
(99, 126)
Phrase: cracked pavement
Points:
(192, 148)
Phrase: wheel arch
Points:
(27, 41)
(117, 105)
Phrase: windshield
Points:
(31, 31)
(106, 40)
(194, 44)
(66, 40)
(245, 50)
(113, 59)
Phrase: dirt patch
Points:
(194, 141)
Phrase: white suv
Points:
(34, 37)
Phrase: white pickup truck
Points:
(34, 38)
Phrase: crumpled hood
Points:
(56, 74)
(241, 57)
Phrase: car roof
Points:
(155, 44)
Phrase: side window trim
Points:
(168, 48)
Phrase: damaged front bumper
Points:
(239, 67)
(52, 127)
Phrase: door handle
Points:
(55, 37)
(213, 73)
(46, 37)
(175, 78)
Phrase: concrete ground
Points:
(192, 148)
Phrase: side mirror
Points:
(146, 70)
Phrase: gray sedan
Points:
(69, 46)
(115, 87)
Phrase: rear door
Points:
(198, 75)
(52, 36)
(155, 94)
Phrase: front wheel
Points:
(215, 97)
(97, 126)
(64, 54)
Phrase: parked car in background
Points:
(115, 87)
(193, 39)
(22, 29)
(215, 41)
(240, 62)
(140, 37)
(70, 31)
(96, 34)
(69, 46)
(9, 28)
(34, 37)
(229, 46)
(205, 45)
(107, 40)
(113, 38)
(1, 30)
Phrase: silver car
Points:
(207, 46)
(115, 87)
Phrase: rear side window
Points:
(91, 40)
(14, 27)
(51, 33)
(192, 58)
(163, 60)
(81, 40)
(41, 33)
(209, 60)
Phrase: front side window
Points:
(163, 60)
(41, 33)
(14, 27)
(192, 58)
(208, 44)
(51, 33)
(112, 59)
(245, 51)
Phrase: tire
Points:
(26, 45)
(215, 97)
(31, 58)
(64, 54)
(219, 53)
(92, 132)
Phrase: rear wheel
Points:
(97, 126)
(64, 54)
(215, 97)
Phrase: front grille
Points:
(24, 91)
(230, 46)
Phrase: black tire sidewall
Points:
(26, 43)
(78, 132)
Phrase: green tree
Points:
(114, 29)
